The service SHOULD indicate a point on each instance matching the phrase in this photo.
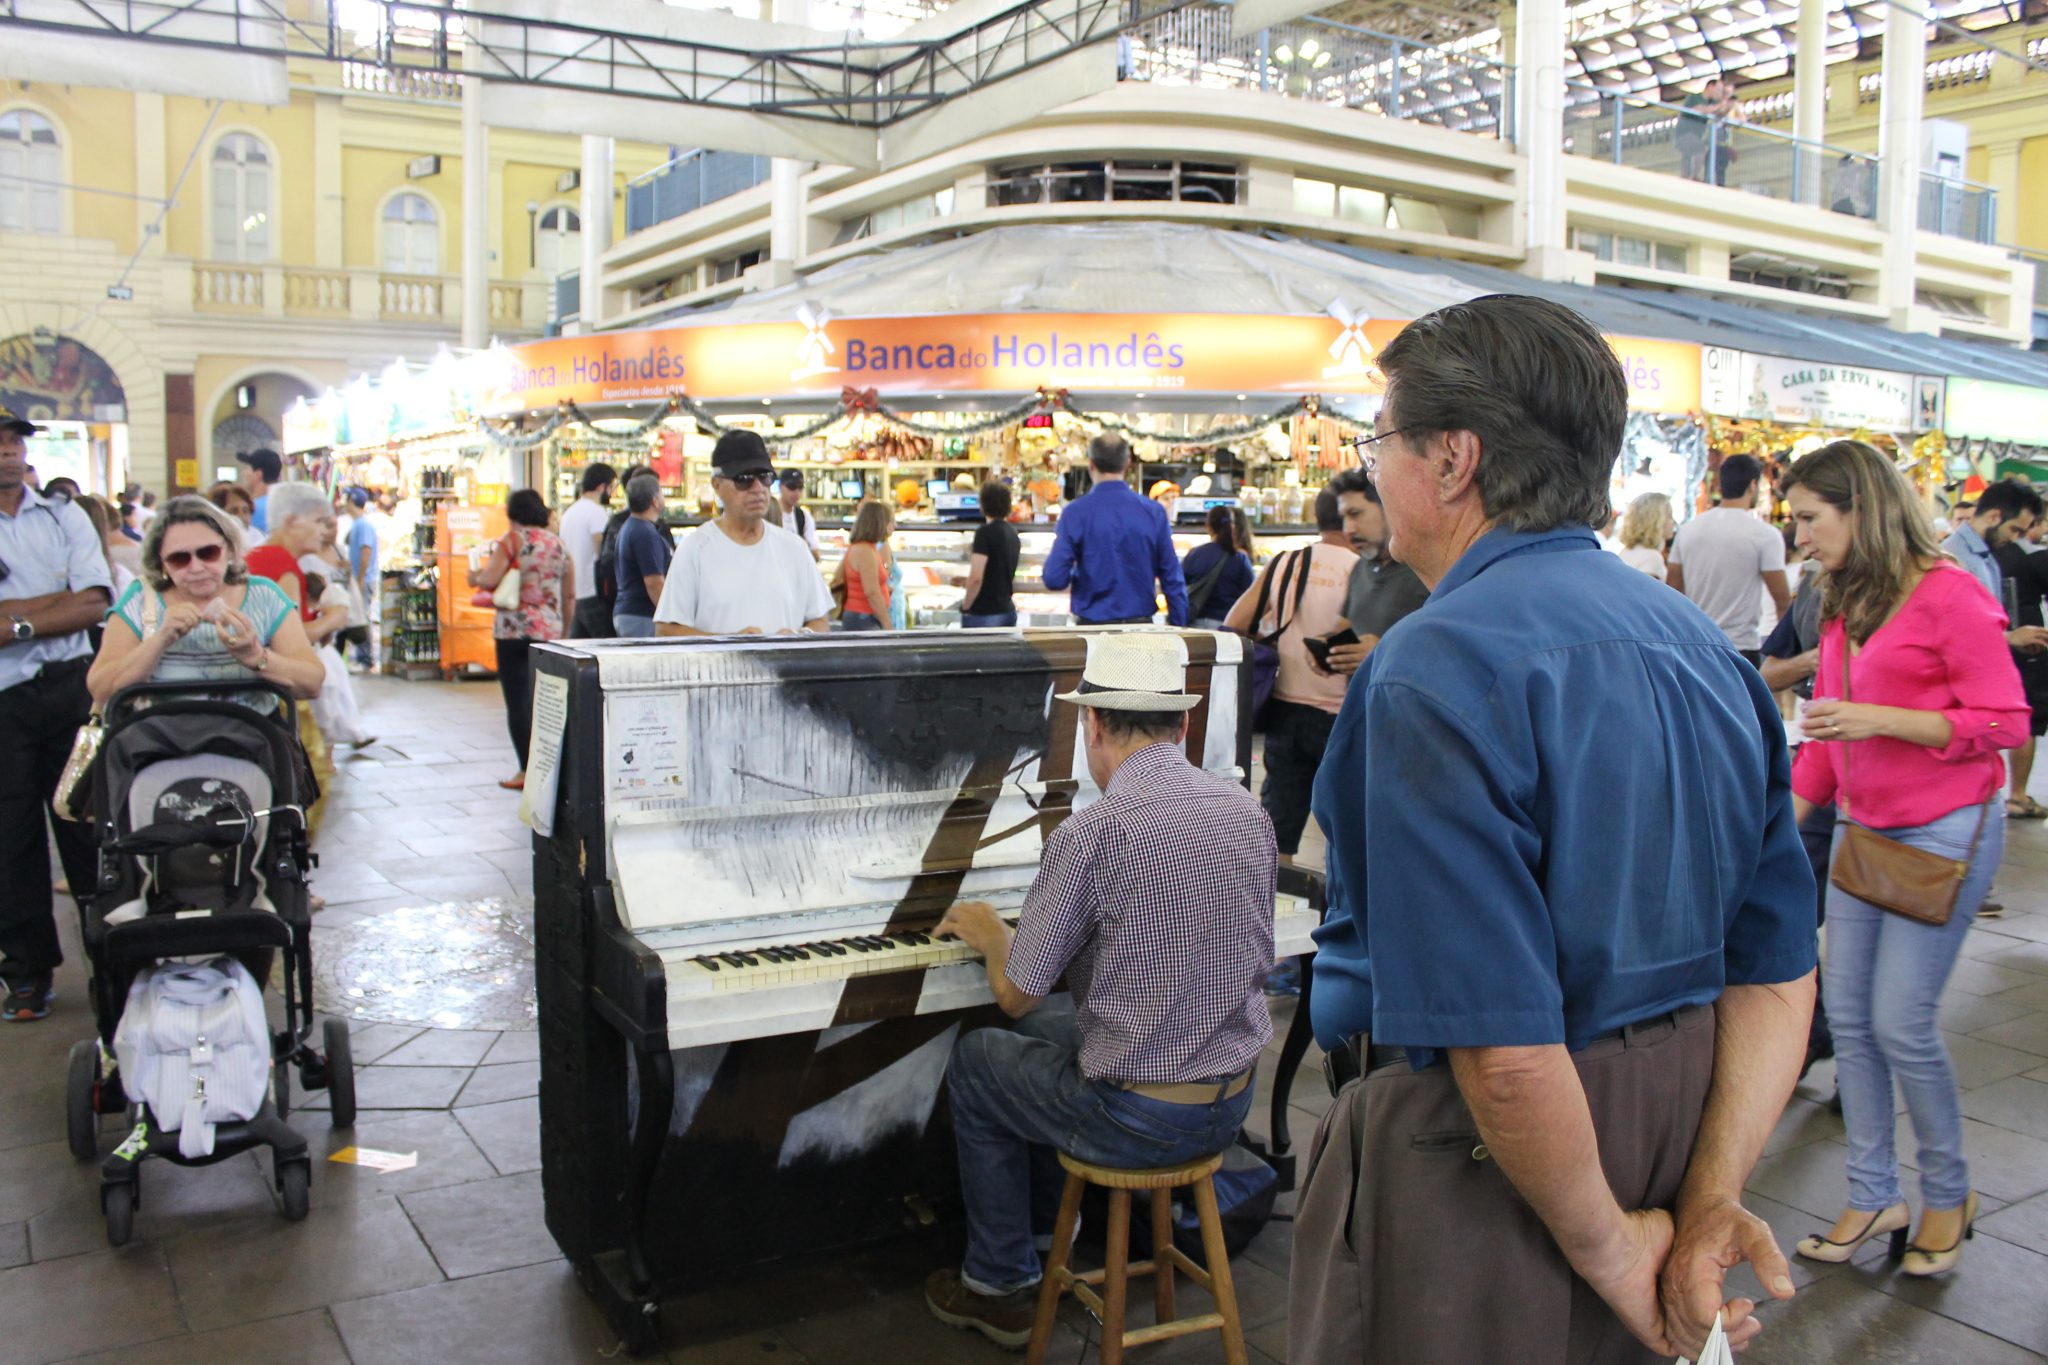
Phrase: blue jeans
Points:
(1883, 978)
(633, 627)
(1017, 1094)
(860, 620)
(971, 621)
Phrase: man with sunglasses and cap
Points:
(738, 575)
(1155, 903)
(54, 584)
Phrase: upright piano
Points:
(742, 847)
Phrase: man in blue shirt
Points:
(1571, 940)
(55, 585)
(2005, 512)
(261, 470)
(362, 566)
(1111, 545)
(644, 554)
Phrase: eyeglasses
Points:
(1368, 458)
(762, 478)
(205, 554)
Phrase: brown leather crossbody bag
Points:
(1893, 876)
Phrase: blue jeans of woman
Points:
(1883, 978)
(978, 621)
(860, 620)
(1017, 1095)
(633, 627)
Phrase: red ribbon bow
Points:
(1051, 398)
(857, 400)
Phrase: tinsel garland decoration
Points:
(854, 402)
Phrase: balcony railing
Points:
(1673, 140)
(356, 295)
(1958, 208)
(567, 299)
(688, 183)
(1326, 63)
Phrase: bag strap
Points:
(1296, 576)
(1201, 589)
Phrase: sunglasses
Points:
(764, 478)
(205, 554)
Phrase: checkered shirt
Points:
(1157, 903)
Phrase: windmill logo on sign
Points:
(814, 352)
(1351, 350)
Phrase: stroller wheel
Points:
(81, 1117)
(294, 1184)
(341, 1074)
(118, 1201)
(281, 1072)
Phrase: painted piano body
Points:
(744, 1020)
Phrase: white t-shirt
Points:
(581, 526)
(1644, 558)
(722, 588)
(1724, 554)
(809, 534)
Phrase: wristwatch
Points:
(23, 628)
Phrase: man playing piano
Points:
(1156, 903)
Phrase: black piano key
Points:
(801, 955)
(827, 949)
(706, 963)
(736, 959)
(750, 960)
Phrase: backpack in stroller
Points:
(199, 803)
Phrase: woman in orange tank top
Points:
(866, 569)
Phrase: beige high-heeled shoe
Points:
(1923, 1261)
(1894, 1220)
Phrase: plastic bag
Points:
(1716, 1351)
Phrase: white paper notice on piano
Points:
(644, 753)
(544, 759)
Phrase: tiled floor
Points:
(450, 1261)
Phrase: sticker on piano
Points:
(644, 737)
(384, 1163)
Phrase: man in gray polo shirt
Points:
(53, 585)
(1383, 590)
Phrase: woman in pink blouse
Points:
(1916, 696)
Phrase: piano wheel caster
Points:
(295, 1188)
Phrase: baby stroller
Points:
(199, 809)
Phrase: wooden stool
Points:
(1116, 1273)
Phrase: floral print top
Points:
(542, 560)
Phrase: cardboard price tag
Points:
(382, 1162)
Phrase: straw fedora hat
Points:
(1138, 671)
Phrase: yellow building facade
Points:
(175, 272)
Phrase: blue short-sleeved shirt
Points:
(363, 536)
(644, 549)
(1557, 803)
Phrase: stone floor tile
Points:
(357, 891)
(1996, 1288)
(443, 1047)
(13, 1245)
(494, 1084)
(368, 1043)
(748, 1348)
(515, 1045)
(305, 1338)
(33, 1113)
(486, 1226)
(175, 1200)
(408, 869)
(477, 840)
(54, 1310)
(1842, 1322)
(1962, 1012)
(33, 1179)
(1980, 1061)
(1802, 1122)
(266, 1268)
(2029, 1033)
(1812, 1178)
(400, 1087)
(849, 1336)
(509, 1133)
(2023, 1224)
(1978, 977)
(446, 1155)
(2004, 1165)
(2030, 958)
(2034, 996)
(472, 886)
(538, 1315)
(2015, 1103)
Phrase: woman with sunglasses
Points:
(196, 613)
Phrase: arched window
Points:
(412, 235)
(241, 199)
(558, 242)
(31, 174)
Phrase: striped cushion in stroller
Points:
(197, 825)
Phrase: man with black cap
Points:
(796, 518)
(261, 470)
(53, 585)
(738, 575)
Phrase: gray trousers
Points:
(1411, 1247)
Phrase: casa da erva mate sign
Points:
(1769, 388)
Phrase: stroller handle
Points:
(196, 690)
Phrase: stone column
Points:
(1810, 98)
(597, 228)
(476, 224)
(1539, 131)
(1898, 143)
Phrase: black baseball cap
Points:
(10, 422)
(792, 478)
(741, 452)
(265, 462)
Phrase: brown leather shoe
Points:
(1006, 1320)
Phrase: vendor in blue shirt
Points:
(1112, 544)
(1571, 940)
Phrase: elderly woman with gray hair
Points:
(197, 614)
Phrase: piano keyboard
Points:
(723, 995)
